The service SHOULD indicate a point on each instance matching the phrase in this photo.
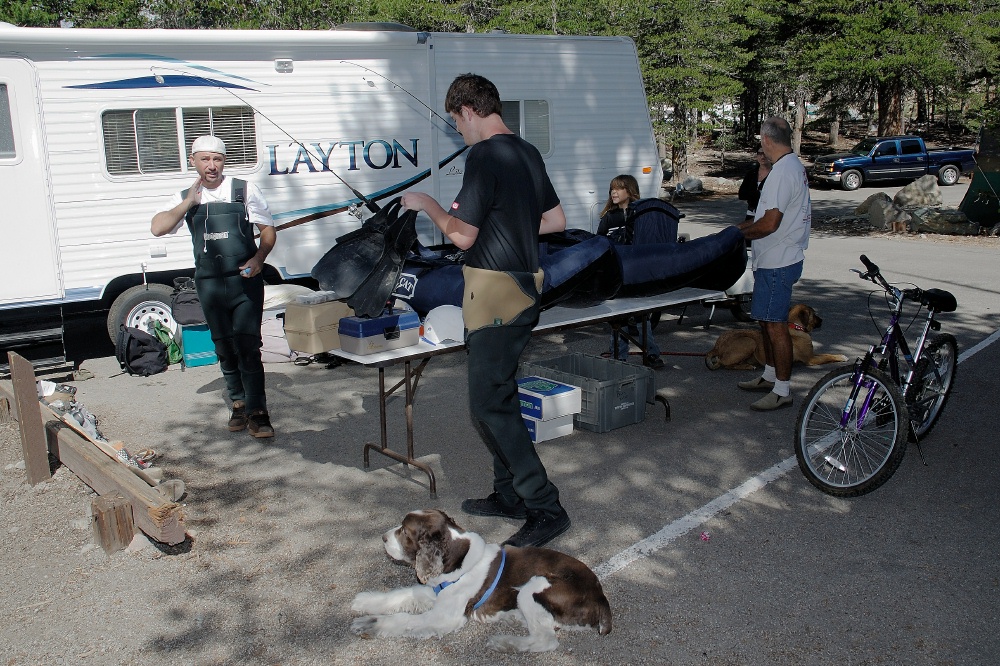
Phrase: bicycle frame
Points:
(893, 341)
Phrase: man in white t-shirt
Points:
(221, 214)
(780, 234)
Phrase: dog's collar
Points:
(503, 560)
(796, 327)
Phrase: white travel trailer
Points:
(95, 127)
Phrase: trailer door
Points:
(30, 267)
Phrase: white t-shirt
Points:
(257, 208)
(787, 189)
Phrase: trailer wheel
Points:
(139, 307)
(948, 175)
(851, 180)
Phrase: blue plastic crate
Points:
(196, 342)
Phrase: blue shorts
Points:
(772, 292)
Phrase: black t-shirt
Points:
(504, 192)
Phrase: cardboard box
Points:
(541, 431)
(312, 329)
(543, 399)
(363, 336)
(197, 345)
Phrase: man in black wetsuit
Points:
(506, 200)
(221, 213)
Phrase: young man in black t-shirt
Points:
(506, 200)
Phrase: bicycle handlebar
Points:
(872, 268)
(875, 276)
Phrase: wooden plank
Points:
(33, 440)
(157, 517)
(113, 525)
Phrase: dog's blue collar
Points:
(489, 592)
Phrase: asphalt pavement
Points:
(711, 545)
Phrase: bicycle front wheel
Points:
(856, 458)
(931, 385)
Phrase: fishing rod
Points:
(396, 85)
(370, 205)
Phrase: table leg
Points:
(410, 381)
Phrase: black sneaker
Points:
(654, 361)
(539, 529)
(494, 506)
(259, 425)
(238, 419)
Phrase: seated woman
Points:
(624, 190)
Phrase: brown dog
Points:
(743, 349)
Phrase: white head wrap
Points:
(208, 144)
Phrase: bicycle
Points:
(853, 428)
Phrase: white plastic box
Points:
(541, 431)
(543, 399)
(547, 407)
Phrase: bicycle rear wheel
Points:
(859, 457)
(931, 385)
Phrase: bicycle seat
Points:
(939, 300)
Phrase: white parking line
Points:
(700, 516)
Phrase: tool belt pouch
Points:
(497, 298)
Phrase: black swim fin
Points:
(349, 263)
(370, 298)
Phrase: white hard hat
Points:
(444, 323)
(208, 144)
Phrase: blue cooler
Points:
(363, 336)
(196, 342)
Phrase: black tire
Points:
(138, 306)
(851, 180)
(948, 175)
(932, 381)
(741, 307)
(856, 459)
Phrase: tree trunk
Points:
(922, 106)
(678, 154)
(890, 108)
(835, 129)
(800, 120)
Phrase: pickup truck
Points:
(892, 158)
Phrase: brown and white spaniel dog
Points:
(463, 577)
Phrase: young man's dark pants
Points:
(494, 352)
(234, 308)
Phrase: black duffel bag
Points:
(185, 306)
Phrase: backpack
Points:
(652, 221)
(162, 333)
(139, 353)
(185, 306)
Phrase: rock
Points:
(690, 184)
(924, 191)
(888, 216)
(953, 222)
(139, 543)
(866, 205)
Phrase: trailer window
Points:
(529, 119)
(142, 141)
(7, 148)
(233, 124)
